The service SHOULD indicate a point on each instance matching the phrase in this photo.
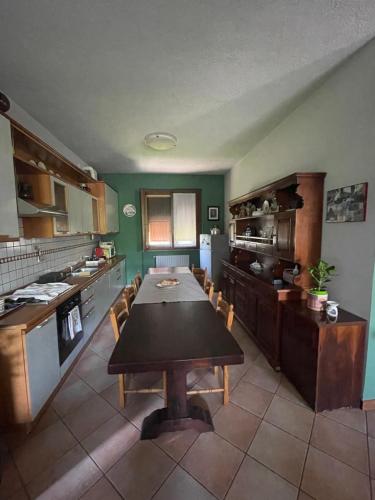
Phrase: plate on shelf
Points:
(266, 207)
(257, 213)
(168, 283)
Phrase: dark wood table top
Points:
(174, 335)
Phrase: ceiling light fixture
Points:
(161, 141)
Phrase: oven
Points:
(66, 343)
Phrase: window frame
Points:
(145, 192)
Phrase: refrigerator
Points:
(212, 249)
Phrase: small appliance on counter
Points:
(108, 248)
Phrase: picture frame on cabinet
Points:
(347, 204)
(213, 213)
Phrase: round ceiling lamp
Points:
(161, 141)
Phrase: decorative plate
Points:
(168, 283)
(266, 207)
(129, 210)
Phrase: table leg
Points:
(179, 414)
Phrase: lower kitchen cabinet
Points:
(256, 306)
(42, 363)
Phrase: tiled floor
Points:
(267, 444)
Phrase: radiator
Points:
(171, 260)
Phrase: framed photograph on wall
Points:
(347, 204)
(213, 213)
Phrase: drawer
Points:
(87, 305)
(86, 293)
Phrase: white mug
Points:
(331, 309)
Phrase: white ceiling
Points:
(218, 74)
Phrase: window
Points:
(170, 218)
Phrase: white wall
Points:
(332, 131)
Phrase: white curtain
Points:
(184, 220)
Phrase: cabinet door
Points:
(8, 197)
(43, 365)
(241, 292)
(252, 311)
(267, 323)
(225, 285)
(87, 213)
(111, 208)
(285, 224)
(75, 210)
(60, 195)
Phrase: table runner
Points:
(188, 290)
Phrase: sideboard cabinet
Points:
(323, 359)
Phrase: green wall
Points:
(129, 240)
(369, 389)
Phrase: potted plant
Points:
(321, 274)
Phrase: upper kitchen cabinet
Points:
(108, 207)
(80, 211)
(8, 205)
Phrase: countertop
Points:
(29, 316)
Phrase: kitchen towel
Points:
(74, 322)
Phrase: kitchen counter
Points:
(29, 316)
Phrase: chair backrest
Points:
(118, 314)
(210, 289)
(225, 310)
(130, 293)
(200, 275)
(137, 281)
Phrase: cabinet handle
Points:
(44, 323)
(88, 300)
(89, 313)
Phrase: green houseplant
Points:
(321, 274)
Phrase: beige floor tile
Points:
(181, 485)
(371, 450)
(67, 479)
(102, 490)
(263, 377)
(326, 478)
(341, 442)
(236, 425)
(90, 362)
(69, 398)
(351, 417)
(89, 416)
(304, 496)
(70, 379)
(371, 423)
(43, 450)
(213, 462)
(251, 398)
(288, 391)
(279, 451)
(290, 417)
(256, 482)
(105, 352)
(10, 478)
(110, 441)
(373, 488)
(141, 471)
(99, 379)
(139, 406)
(175, 444)
(48, 418)
(236, 372)
(111, 395)
(261, 360)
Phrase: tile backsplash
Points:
(56, 254)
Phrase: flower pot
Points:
(317, 299)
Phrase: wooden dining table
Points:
(176, 337)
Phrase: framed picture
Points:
(213, 213)
(347, 204)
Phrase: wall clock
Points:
(129, 210)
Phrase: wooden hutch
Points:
(279, 226)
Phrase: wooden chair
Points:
(130, 293)
(226, 311)
(118, 314)
(200, 275)
(137, 281)
(210, 290)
